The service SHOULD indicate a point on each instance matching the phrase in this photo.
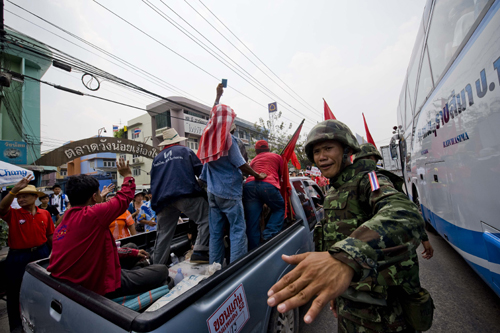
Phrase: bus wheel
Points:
(287, 322)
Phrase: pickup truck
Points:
(232, 300)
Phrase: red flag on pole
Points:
(286, 155)
(368, 135)
(328, 112)
(295, 161)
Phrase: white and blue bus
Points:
(449, 111)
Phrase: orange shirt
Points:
(119, 227)
(27, 230)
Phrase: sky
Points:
(354, 54)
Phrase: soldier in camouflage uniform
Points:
(366, 244)
(369, 151)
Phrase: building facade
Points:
(20, 103)
(139, 129)
(191, 123)
(188, 123)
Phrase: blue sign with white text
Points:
(13, 152)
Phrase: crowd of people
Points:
(366, 246)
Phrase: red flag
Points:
(368, 135)
(286, 155)
(295, 161)
(328, 112)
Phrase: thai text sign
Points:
(232, 315)
(90, 146)
(13, 152)
(194, 125)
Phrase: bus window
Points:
(409, 113)
(424, 82)
(413, 74)
(450, 23)
(401, 107)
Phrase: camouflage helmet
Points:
(367, 149)
(331, 129)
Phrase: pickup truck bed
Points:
(52, 305)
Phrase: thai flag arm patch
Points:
(373, 181)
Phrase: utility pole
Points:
(2, 29)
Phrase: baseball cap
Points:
(261, 144)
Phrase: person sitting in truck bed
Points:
(84, 250)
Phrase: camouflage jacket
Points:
(399, 184)
(374, 232)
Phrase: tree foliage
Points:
(278, 134)
(121, 134)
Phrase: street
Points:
(464, 303)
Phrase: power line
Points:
(178, 26)
(212, 53)
(310, 107)
(88, 43)
(85, 67)
(156, 40)
(94, 70)
(88, 69)
(157, 79)
(252, 52)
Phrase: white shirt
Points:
(56, 201)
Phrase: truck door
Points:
(306, 202)
(317, 197)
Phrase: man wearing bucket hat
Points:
(368, 267)
(175, 189)
(30, 238)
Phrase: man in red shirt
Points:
(30, 238)
(256, 193)
(84, 250)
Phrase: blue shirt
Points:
(173, 176)
(223, 177)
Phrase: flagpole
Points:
(302, 122)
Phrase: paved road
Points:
(464, 303)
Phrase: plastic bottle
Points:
(174, 258)
(179, 276)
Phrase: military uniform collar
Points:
(351, 170)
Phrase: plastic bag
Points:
(178, 290)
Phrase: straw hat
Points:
(170, 136)
(31, 189)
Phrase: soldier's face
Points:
(328, 157)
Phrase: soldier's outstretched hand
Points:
(317, 273)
